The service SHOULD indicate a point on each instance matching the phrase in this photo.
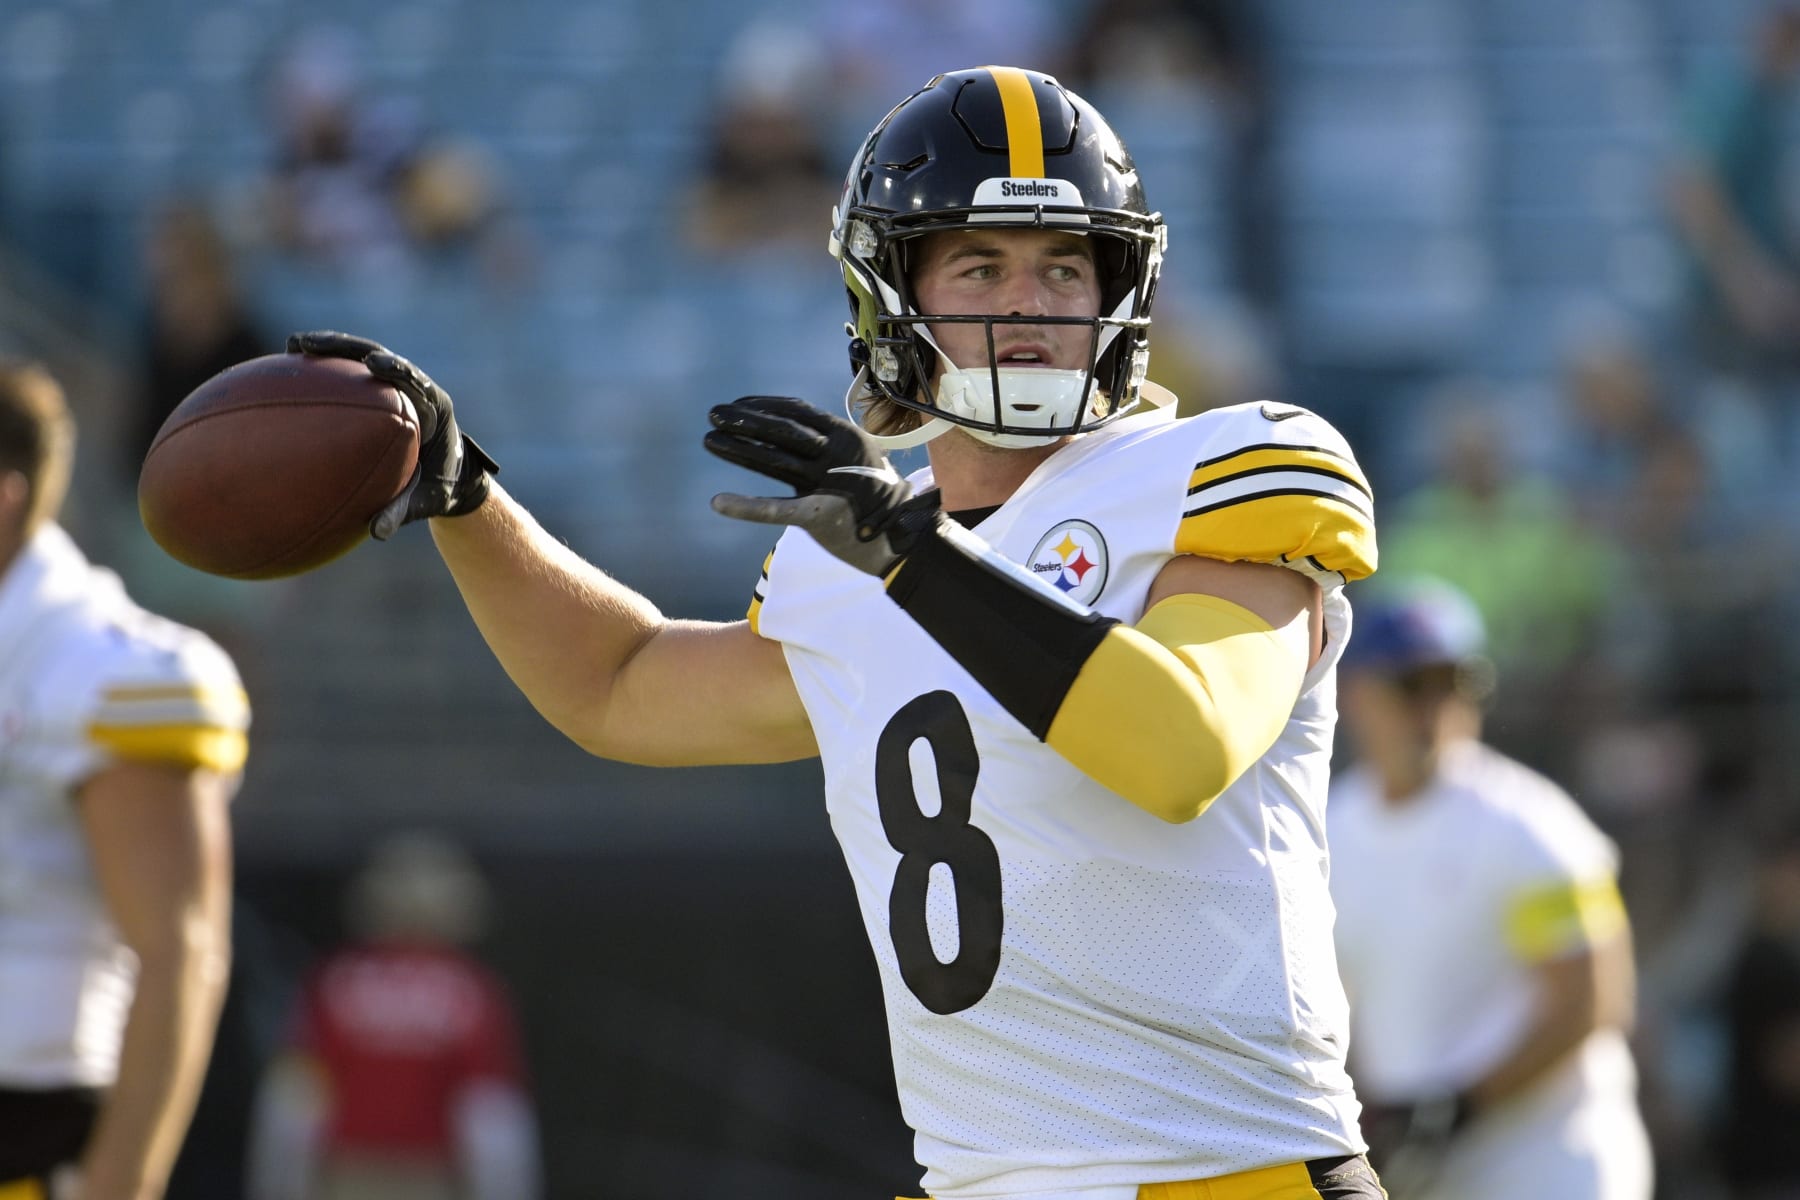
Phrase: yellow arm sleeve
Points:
(1168, 714)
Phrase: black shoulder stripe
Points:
(1278, 468)
(1236, 500)
(1201, 466)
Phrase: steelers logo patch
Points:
(1072, 559)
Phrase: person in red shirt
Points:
(401, 1078)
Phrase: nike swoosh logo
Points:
(886, 475)
(1280, 414)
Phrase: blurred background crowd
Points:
(1539, 259)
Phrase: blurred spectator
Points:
(1686, 867)
(1542, 583)
(196, 322)
(1716, 596)
(767, 181)
(754, 219)
(1617, 422)
(1625, 429)
(361, 180)
(1697, 594)
(1729, 204)
(1180, 81)
(1213, 356)
(1161, 43)
(886, 51)
(402, 1079)
(1481, 935)
(1762, 1016)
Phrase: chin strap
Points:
(975, 380)
(932, 427)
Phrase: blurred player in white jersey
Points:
(1480, 933)
(1073, 685)
(121, 739)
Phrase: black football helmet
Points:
(1008, 147)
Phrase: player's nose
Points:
(1025, 295)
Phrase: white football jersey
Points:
(1082, 997)
(87, 678)
(1444, 903)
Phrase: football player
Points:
(1481, 935)
(121, 740)
(400, 1075)
(1072, 684)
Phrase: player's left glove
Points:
(848, 496)
(453, 472)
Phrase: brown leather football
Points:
(276, 466)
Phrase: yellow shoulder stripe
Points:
(1545, 922)
(181, 745)
(754, 615)
(1283, 527)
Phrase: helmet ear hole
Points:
(1114, 258)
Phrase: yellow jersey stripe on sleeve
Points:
(1546, 922)
(181, 745)
(754, 615)
(1284, 526)
(166, 704)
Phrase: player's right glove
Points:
(453, 474)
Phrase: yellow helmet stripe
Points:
(1024, 132)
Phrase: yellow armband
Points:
(1168, 714)
(1547, 922)
(183, 725)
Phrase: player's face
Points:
(1387, 721)
(1002, 272)
(1399, 717)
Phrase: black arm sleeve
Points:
(1021, 642)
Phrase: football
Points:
(275, 466)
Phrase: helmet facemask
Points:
(900, 361)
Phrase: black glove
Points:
(1407, 1140)
(848, 496)
(452, 477)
